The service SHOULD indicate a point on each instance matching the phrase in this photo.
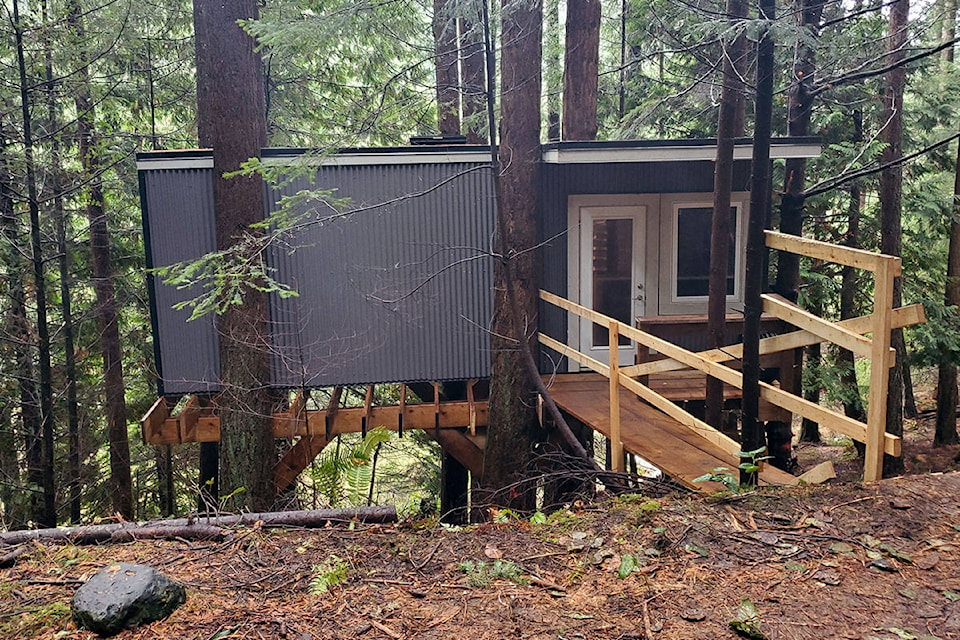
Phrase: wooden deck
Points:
(675, 449)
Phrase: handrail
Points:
(848, 334)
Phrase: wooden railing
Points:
(848, 334)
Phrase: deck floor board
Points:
(645, 431)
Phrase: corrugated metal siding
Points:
(393, 292)
(178, 217)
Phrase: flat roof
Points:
(616, 151)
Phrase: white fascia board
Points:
(378, 159)
(167, 164)
(672, 154)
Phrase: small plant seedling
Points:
(327, 574)
(723, 476)
(481, 574)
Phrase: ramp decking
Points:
(675, 449)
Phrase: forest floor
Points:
(845, 560)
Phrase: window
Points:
(692, 259)
(684, 266)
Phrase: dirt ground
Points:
(843, 561)
(846, 560)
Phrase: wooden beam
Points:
(473, 409)
(616, 443)
(828, 418)
(900, 317)
(880, 362)
(297, 458)
(460, 446)
(151, 424)
(188, 418)
(848, 256)
(789, 312)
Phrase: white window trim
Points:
(670, 302)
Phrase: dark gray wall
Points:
(178, 226)
(397, 289)
(394, 292)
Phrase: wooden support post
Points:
(151, 424)
(403, 408)
(436, 407)
(616, 444)
(367, 401)
(187, 420)
(473, 407)
(296, 413)
(454, 483)
(332, 407)
(879, 368)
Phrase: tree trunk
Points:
(752, 437)
(446, 66)
(12, 496)
(230, 106)
(513, 427)
(66, 282)
(552, 68)
(46, 512)
(581, 64)
(721, 230)
(799, 112)
(473, 73)
(850, 283)
(106, 309)
(891, 192)
(948, 28)
(17, 328)
(946, 427)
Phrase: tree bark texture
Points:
(106, 309)
(17, 334)
(513, 427)
(721, 231)
(581, 64)
(891, 195)
(446, 66)
(946, 427)
(473, 73)
(752, 436)
(230, 104)
(849, 285)
(552, 68)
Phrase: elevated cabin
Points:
(393, 273)
(394, 278)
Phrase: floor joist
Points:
(161, 428)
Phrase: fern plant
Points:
(343, 474)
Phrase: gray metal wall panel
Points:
(392, 292)
(179, 211)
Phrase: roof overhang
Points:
(633, 151)
(670, 150)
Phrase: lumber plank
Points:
(900, 317)
(151, 424)
(789, 312)
(839, 254)
(297, 458)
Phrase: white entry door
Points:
(611, 260)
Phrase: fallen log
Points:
(198, 527)
(10, 559)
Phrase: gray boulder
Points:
(122, 596)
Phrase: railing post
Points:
(879, 368)
(616, 446)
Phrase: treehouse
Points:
(389, 254)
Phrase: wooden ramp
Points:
(668, 445)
